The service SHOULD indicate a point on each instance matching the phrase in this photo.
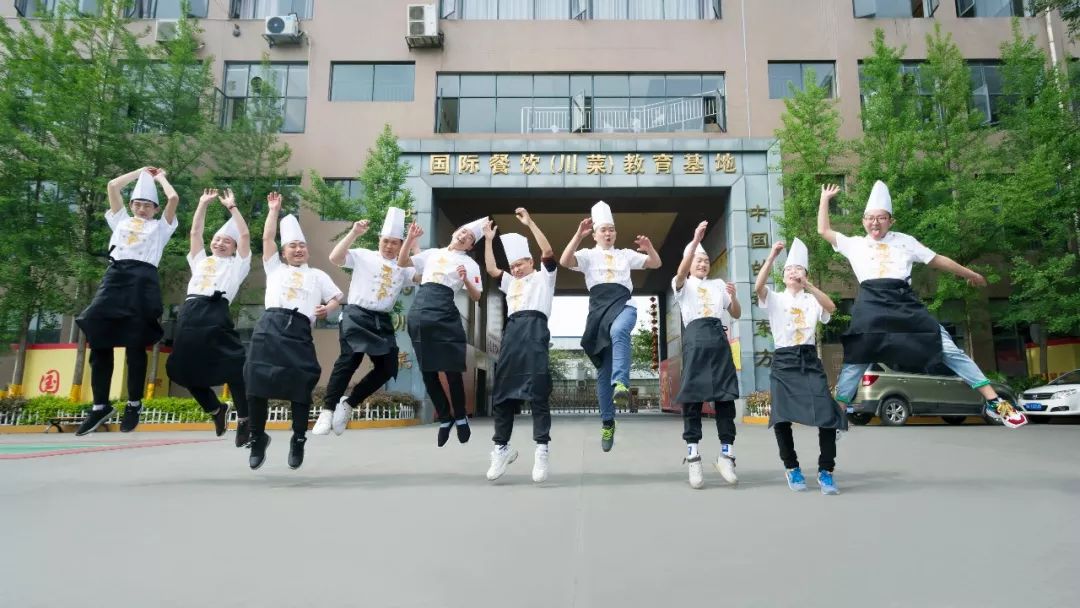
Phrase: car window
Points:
(1072, 377)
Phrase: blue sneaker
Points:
(828, 486)
(795, 479)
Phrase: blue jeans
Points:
(954, 358)
(616, 366)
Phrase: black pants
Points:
(383, 368)
(209, 402)
(826, 442)
(725, 422)
(504, 421)
(260, 409)
(101, 370)
(438, 395)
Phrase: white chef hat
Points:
(516, 247)
(798, 255)
(601, 215)
(394, 224)
(290, 230)
(699, 250)
(880, 199)
(145, 189)
(477, 228)
(230, 230)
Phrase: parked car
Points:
(1060, 397)
(894, 396)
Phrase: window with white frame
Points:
(372, 81)
(167, 9)
(261, 9)
(991, 8)
(287, 86)
(894, 9)
(788, 76)
(660, 10)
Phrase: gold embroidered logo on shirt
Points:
(208, 274)
(706, 302)
(798, 318)
(386, 280)
(135, 231)
(609, 266)
(883, 256)
(295, 282)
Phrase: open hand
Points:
(208, 194)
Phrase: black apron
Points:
(890, 325)
(606, 302)
(435, 328)
(521, 371)
(800, 390)
(281, 362)
(708, 371)
(367, 331)
(207, 351)
(126, 307)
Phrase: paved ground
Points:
(929, 516)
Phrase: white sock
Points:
(543, 447)
(134, 403)
(462, 422)
(503, 448)
(726, 449)
(691, 450)
(445, 425)
(100, 406)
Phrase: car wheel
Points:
(954, 419)
(895, 411)
(860, 419)
(1039, 419)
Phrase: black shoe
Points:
(463, 432)
(130, 419)
(444, 434)
(258, 451)
(94, 418)
(243, 433)
(296, 451)
(221, 420)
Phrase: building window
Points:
(284, 84)
(788, 76)
(580, 103)
(662, 10)
(166, 100)
(990, 8)
(167, 9)
(912, 79)
(987, 92)
(372, 81)
(352, 189)
(36, 8)
(261, 9)
(894, 9)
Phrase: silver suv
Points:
(894, 396)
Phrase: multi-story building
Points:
(665, 109)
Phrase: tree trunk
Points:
(15, 389)
(1044, 356)
(77, 376)
(151, 372)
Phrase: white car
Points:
(1061, 397)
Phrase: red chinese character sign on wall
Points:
(50, 382)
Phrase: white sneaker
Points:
(342, 414)
(500, 459)
(540, 464)
(726, 467)
(697, 478)
(322, 425)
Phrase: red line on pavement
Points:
(65, 452)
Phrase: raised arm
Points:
(645, 246)
(411, 239)
(243, 248)
(766, 268)
(116, 185)
(824, 226)
(951, 266)
(472, 290)
(823, 298)
(546, 252)
(172, 198)
(489, 251)
(341, 250)
(688, 259)
(198, 222)
(567, 260)
(273, 203)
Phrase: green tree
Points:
(382, 183)
(1038, 197)
(1069, 9)
(641, 349)
(811, 152)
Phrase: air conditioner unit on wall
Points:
(166, 30)
(422, 26)
(283, 29)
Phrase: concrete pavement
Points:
(928, 516)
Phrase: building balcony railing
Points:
(694, 113)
